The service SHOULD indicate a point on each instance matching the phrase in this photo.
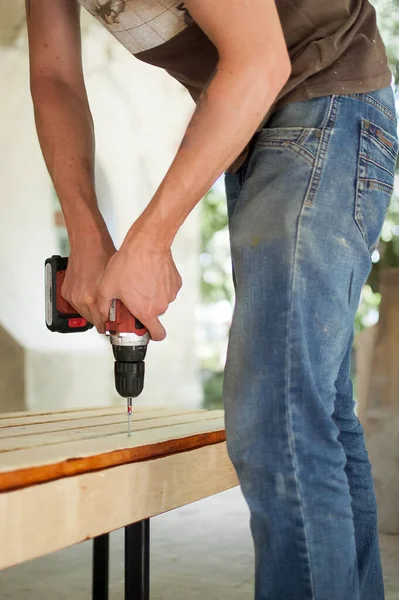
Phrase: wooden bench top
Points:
(67, 476)
(39, 447)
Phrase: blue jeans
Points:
(305, 215)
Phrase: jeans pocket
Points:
(303, 141)
(378, 151)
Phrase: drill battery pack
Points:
(61, 317)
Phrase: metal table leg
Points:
(137, 561)
(100, 567)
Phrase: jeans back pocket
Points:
(375, 180)
(303, 141)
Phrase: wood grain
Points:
(92, 430)
(44, 518)
(32, 427)
(29, 418)
(30, 413)
(67, 453)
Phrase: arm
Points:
(253, 66)
(66, 136)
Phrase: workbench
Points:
(69, 476)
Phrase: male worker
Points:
(294, 101)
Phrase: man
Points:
(294, 101)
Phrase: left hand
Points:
(144, 277)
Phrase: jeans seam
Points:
(377, 104)
(361, 188)
(321, 152)
(289, 412)
(298, 150)
(381, 147)
(376, 164)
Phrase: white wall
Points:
(139, 115)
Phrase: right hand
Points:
(86, 265)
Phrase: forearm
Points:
(66, 136)
(225, 119)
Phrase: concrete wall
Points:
(139, 114)
(12, 374)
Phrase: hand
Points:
(144, 277)
(86, 265)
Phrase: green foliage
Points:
(215, 276)
(213, 386)
(367, 313)
(214, 217)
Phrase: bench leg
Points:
(100, 567)
(137, 561)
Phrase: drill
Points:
(129, 338)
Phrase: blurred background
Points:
(140, 114)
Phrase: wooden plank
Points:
(31, 428)
(62, 411)
(74, 434)
(43, 518)
(28, 418)
(21, 467)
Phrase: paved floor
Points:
(200, 552)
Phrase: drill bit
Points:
(129, 416)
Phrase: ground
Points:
(200, 552)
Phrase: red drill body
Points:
(129, 338)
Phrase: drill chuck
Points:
(129, 378)
(129, 369)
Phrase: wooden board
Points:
(27, 417)
(43, 518)
(45, 448)
(33, 426)
(39, 439)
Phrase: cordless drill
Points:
(129, 338)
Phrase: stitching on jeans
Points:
(376, 164)
(303, 152)
(305, 134)
(370, 100)
(289, 416)
(321, 152)
(366, 183)
(296, 148)
(376, 184)
(376, 142)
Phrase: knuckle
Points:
(74, 300)
(89, 299)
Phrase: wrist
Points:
(158, 232)
(90, 233)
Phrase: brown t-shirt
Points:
(334, 46)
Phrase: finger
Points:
(83, 311)
(156, 329)
(97, 319)
(103, 307)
